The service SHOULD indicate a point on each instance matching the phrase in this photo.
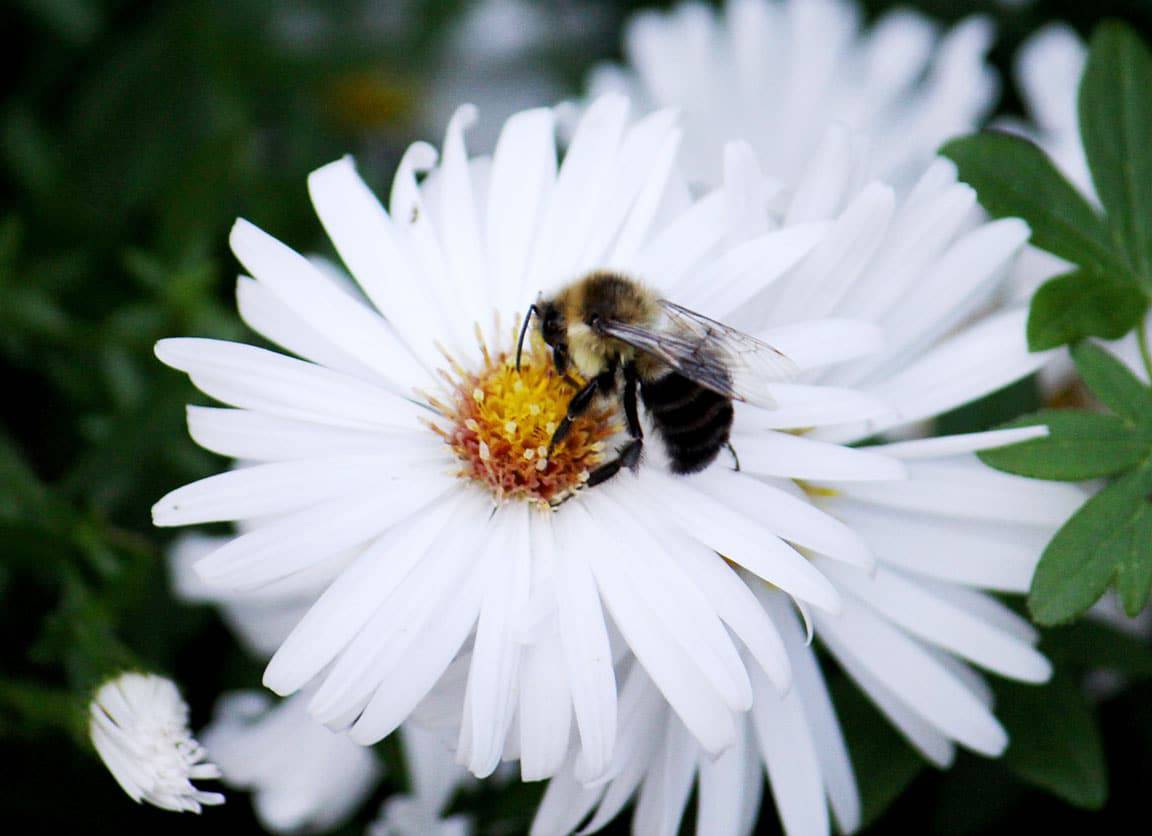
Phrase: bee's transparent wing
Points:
(710, 353)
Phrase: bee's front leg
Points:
(579, 404)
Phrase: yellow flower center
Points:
(500, 423)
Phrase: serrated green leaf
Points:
(1054, 742)
(1115, 105)
(1081, 304)
(1014, 178)
(1134, 559)
(1079, 445)
(1085, 555)
(1114, 384)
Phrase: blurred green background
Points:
(132, 134)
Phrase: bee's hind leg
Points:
(735, 458)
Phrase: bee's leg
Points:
(627, 456)
(579, 404)
(735, 458)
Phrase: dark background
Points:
(131, 136)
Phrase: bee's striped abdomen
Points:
(693, 421)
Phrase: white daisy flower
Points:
(138, 724)
(302, 776)
(910, 635)
(434, 778)
(779, 73)
(401, 441)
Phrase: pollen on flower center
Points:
(501, 421)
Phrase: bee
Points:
(686, 368)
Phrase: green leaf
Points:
(1079, 445)
(1114, 384)
(1081, 304)
(1054, 742)
(1115, 106)
(1133, 547)
(1108, 537)
(1014, 178)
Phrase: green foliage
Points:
(1079, 445)
(1109, 540)
(1115, 124)
(1062, 220)
(1055, 743)
(1082, 304)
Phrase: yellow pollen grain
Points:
(510, 427)
(478, 395)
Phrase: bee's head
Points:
(553, 330)
(552, 325)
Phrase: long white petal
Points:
(255, 436)
(740, 539)
(311, 295)
(587, 655)
(963, 488)
(496, 654)
(523, 171)
(367, 240)
(343, 609)
(254, 378)
(282, 548)
(782, 454)
(915, 676)
(824, 728)
(280, 487)
(934, 620)
(788, 516)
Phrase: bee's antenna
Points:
(523, 331)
